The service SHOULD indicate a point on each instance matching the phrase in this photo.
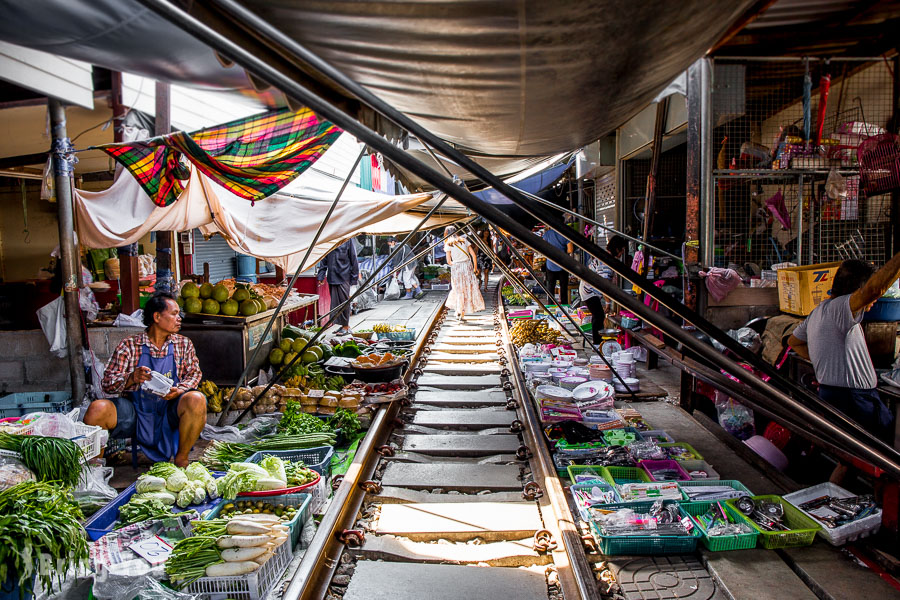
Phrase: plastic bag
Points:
(52, 318)
(147, 588)
(836, 186)
(745, 336)
(734, 417)
(256, 428)
(393, 290)
(13, 472)
(93, 490)
(53, 425)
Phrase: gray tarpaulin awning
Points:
(512, 79)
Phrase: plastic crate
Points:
(657, 435)
(319, 493)
(654, 465)
(732, 483)
(837, 536)
(104, 520)
(19, 410)
(87, 437)
(575, 470)
(653, 545)
(637, 434)
(720, 543)
(295, 524)
(620, 475)
(687, 447)
(582, 505)
(700, 465)
(254, 586)
(399, 336)
(802, 531)
(318, 459)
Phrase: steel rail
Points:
(857, 440)
(576, 575)
(292, 56)
(314, 573)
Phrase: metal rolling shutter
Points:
(217, 253)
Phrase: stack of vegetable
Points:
(345, 420)
(222, 548)
(49, 458)
(39, 527)
(165, 485)
(219, 455)
(270, 474)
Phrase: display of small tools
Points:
(661, 519)
(701, 493)
(679, 453)
(834, 512)
(717, 522)
(768, 515)
(596, 495)
(611, 456)
(647, 451)
(667, 490)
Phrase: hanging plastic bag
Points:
(835, 186)
(393, 290)
(93, 491)
(52, 318)
(13, 472)
(734, 417)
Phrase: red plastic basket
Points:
(290, 490)
(879, 164)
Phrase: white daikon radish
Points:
(242, 554)
(243, 541)
(260, 517)
(246, 528)
(231, 569)
(277, 541)
(264, 557)
(269, 483)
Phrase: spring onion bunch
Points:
(189, 559)
(38, 519)
(220, 455)
(49, 458)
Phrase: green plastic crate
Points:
(295, 525)
(732, 483)
(720, 543)
(620, 475)
(803, 529)
(687, 447)
(652, 545)
(574, 470)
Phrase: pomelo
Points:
(230, 308)
(190, 290)
(211, 307)
(298, 345)
(309, 356)
(240, 294)
(285, 345)
(276, 356)
(193, 305)
(206, 290)
(220, 293)
(249, 308)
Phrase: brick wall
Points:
(26, 364)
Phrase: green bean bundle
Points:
(219, 455)
(49, 458)
(38, 519)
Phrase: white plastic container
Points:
(845, 533)
(254, 586)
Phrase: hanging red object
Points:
(824, 88)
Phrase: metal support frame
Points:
(166, 248)
(64, 159)
(707, 199)
(276, 70)
(287, 291)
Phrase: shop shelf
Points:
(620, 475)
(617, 545)
(652, 466)
(837, 536)
(295, 524)
(732, 483)
(318, 459)
(720, 543)
(802, 530)
(104, 520)
(254, 586)
(684, 445)
(582, 505)
(700, 465)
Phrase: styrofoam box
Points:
(845, 533)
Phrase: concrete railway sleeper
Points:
(457, 477)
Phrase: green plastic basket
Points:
(732, 483)
(620, 475)
(574, 470)
(720, 543)
(687, 447)
(617, 545)
(803, 529)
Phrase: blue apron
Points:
(155, 435)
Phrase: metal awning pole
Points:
(62, 153)
(873, 449)
(287, 292)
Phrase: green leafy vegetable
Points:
(219, 455)
(296, 422)
(345, 420)
(49, 458)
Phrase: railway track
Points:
(450, 478)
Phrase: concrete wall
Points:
(26, 364)
(23, 255)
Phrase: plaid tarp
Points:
(253, 157)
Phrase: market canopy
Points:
(502, 79)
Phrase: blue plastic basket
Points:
(103, 521)
(653, 545)
(23, 403)
(295, 525)
(399, 336)
(318, 459)
(885, 309)
(9, 589)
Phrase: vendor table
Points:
(224, 344)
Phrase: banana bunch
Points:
(532, 331)
(214, 395)
(335, 383)
(385, 328)
(295, 381)
(317, 381)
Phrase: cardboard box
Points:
(801, 289)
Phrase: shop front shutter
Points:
(217, 253)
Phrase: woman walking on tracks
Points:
(464, 296)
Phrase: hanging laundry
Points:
(376, 173)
